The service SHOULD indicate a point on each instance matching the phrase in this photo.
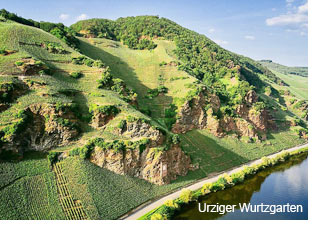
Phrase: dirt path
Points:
(145, 208)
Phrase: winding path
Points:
(145, 208)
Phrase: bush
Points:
(109, 110)
(121, 124)
(186, 195)
(248, 170)
(84, 60)
(53, 47)
(238, 177)
(155, 92)
(171, 204)
(145, 44)
(98, 63)
(217, 186)
(76, 75)
(206, 188)
(88, 62)
(226, 180)
(158, 216)
(163, 63)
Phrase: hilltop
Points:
(298, 71)
(100, 117)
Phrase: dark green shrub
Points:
(121, 124)
(3, 52)
(107, 109)
(52, 157)
(76, 75)
(98, 63)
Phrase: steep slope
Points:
(52, 97)
(244, 100)
(140, 108)
(295, 95)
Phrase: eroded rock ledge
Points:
(154, 164)
(200, 113)
(39, 127)
(146, 154)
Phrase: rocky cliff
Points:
(42, 127)
(200, 113)
(149, 161)
(156, 165)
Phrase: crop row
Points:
(72, 208)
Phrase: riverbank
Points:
(150, 208)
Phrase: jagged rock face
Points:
(43, 131)
(101, 119)
(138, 129)
(44, 134)
(259, 119)
(251, 97)
(154, 165)
(193, 114)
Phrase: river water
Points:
(279, 185)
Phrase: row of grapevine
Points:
(37, 198)
(72, 208)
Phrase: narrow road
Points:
(140, 211)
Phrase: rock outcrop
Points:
(139, 128)
(199, 113)
(45, 127)
(152, 162)
(101, 119)
(193, 114)
(155, 165)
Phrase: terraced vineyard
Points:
(111, 108)
(72, 208)
(28, 190)
(216, 155)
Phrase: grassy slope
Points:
(299, 71)
(298, 85)
(140, 70)
(218, 154)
